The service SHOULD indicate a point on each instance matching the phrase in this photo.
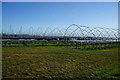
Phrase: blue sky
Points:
(58, 15)
(0, 17)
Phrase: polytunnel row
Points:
(73, 30)
(84, 32)
(92, 37)
(74, 36)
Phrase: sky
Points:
(41, 15)
(0, 17)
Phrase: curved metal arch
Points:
(79, 27)
(31, 29)
(40, 31)
(109, 36)
(106, 32)
(73, 32)
(84, 29)
(69, 27)
(100, 32)
(115, 35)
(44, 33)
(57, 30)
(113, 32)
(89, 30)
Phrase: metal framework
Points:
(73, 32)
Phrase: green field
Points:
(59, 62)
(72, 44)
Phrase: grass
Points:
(59, 62)
(71, 44)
